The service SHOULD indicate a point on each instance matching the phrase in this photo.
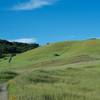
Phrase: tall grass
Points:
(73, 75)
(48, 92)
(63, 84)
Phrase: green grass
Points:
(5, 76)
(68, 83)
(41, 75)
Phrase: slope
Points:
(60, 71)
(68, 52)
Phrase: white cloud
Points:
(33, 4)
(25, 40)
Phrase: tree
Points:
(0, 53)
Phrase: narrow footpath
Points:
(3, 92)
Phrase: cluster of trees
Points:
(7, 47)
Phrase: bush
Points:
(56, 54)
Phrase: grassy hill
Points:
(66, 70)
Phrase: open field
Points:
(67, 70)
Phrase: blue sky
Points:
(49, 20)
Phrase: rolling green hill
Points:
(66, 70)
(68, 52)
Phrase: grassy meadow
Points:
(66, 70)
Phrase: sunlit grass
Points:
(42, 75)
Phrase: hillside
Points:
(66, 70)
(68, 52)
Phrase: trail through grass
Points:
(3, 92)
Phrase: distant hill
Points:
(7, 47)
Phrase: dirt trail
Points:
(3, 92)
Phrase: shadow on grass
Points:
(7, 75)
